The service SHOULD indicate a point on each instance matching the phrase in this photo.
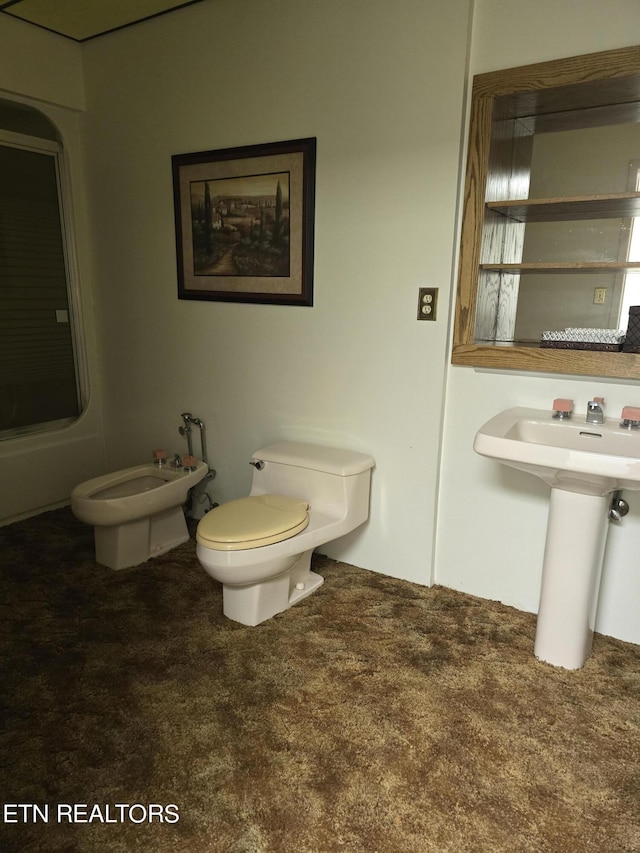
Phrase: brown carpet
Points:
(376, 715)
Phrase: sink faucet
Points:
(595, 411)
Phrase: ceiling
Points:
(81, 20)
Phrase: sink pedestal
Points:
(584, 463)
(574, 550)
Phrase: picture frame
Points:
(244, 221)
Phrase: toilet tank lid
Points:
(317, 457)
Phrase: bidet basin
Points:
(133, 493)
(591, 459)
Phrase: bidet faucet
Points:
(185, 430)
(595, 411)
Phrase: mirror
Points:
(587, 161)
(550, 202)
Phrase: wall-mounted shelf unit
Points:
(508, 109)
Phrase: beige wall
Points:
(356, 370)
(37, 64)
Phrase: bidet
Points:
(137, 513)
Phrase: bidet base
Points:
(124, 545)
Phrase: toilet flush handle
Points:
(258, 464)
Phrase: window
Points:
(39, 386)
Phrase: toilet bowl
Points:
(260, 547)
(137, 512)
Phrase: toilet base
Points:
(255, 603)
(132, 543)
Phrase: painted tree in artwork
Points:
(277, 226)
(208, 218)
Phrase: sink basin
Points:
(583, 463)
(591, 459)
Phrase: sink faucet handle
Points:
(562, 408)
(630, 417)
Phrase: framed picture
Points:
(245, 221)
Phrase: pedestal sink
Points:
(583, 463)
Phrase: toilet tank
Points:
(334, 482)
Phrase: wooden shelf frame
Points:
(578, 91)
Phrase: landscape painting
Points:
(244, 223)
(240, 226)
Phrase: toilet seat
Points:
(252, 522)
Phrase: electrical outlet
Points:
(427, 303)
(599, 295)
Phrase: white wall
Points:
(492, 522)
(37, 472)
(380, 85)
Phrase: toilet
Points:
(137, 512)
(259, 547)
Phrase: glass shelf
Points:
(565, 267)
(615, 205)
